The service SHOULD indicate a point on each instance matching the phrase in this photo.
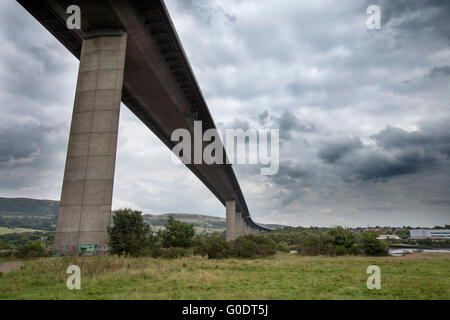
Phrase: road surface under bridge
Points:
(129, 52)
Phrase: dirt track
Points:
(10, 266)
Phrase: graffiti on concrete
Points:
(91, 249)
(83, 250)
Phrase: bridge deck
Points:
(159, 85)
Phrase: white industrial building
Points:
(388, 237)
(430, 233)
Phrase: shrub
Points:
(177, 234)
(4, 246)
(242, 247)
(214, 247)
(283, 247)
(253, 245)
(315, 245)
(152, 251)
(426, 242)
(130, 234)
(371, 246)
(6, 253)
(174, 253)
(34, 250)
(343, 241)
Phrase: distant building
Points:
(388, 237)
(430, 233)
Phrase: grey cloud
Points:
(22, 143)
(203, 10)
(290, 173)
(432, 139)
(333, 151)
(288, 123)
(438, 72)
(375, 166)
(262, 117)
(415, 16)
(397, 152)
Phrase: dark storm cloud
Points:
(415, 16)
(31, 154)
(397, 152)
(371, 165)
(23, 145)
(290, 173)
(262, 117)
(203, 10)
(430, 139)
(438, 72)
(289, 123)
(333, 151)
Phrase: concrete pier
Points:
(85, 208)
(237, 225)
(230, 207)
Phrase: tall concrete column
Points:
(239, 224)
(85, 208)
(245, 227)
(230, 207)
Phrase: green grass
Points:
(6, 230)
(283, 276)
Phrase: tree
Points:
(177, 234)
(130, 234)
(343, 240)
(371, 246)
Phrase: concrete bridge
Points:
(129, 51)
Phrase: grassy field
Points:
(5, 230)
(283, 276)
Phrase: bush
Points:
(253, 245)
(371, 246)
(315, 245)
(34, 250)
(343, 241)
(152, 251)
(242, 247)
(283, 247)
(4, 246)
(130, 234)
(174, 253)
(213, 246)
(425, 242)
(177, 234)
(6, 253)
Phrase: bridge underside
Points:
(129, 51)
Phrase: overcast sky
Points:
(363, 114)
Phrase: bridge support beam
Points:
(236, 224)
(230, 207)
(85, 207)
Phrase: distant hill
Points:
(202, 223)
(28, 213)
(42, 215)
(18, 207)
